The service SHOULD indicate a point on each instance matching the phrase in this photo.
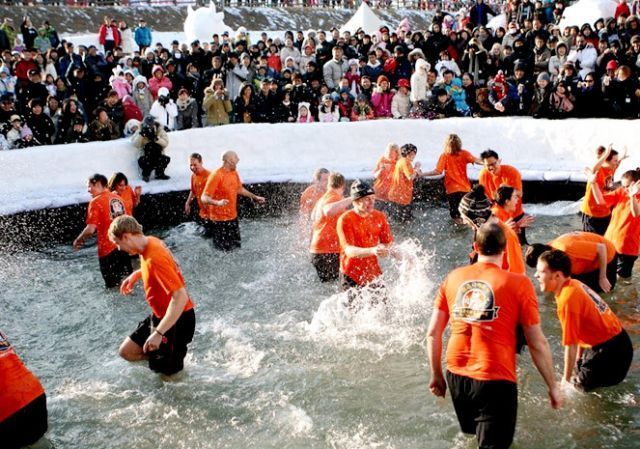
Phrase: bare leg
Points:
(131, 351)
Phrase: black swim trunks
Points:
(114, 267)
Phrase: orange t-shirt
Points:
(508, 176)
(325, 235)
(454, 167)
(401, 189)
(103, 209)
(161, 276)
(197, 188)
(128, 198)
(223, 184)
(309, 199)
(18, 386)
(624, 228)
(485, 304)
(499, 212)
(363, 232)
(582, 249)
(512, 260)
(382, 184)
(604, 179)
(586, 319)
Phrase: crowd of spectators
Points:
(52, 92)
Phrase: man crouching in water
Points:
(364, 235)
(162, 338)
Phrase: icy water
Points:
(276, 361)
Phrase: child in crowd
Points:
(328, 112)
(362, 110)
(142, 95)
(304, 116)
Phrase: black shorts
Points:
(225, 235)
(522, 232)
(26, 426)
(114, 267)
(485, 408)
(376, 290)
(327, 266)
(625, 265)
(169, 358)
(454, 202)
(592, 278)
(606, 364)
(597, 225)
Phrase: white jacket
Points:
(419, 81)
(165, 115)
(586, 57)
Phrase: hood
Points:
(421, 64)
(156, 68)
(140, 79)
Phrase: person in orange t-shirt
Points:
(401, 189)
(119, 184)
(598, 351)
(383, 173)
(485, 305)
(325, 247)
(221, 196)
(596, 217)
(593, 258)
(23, 403)
(364, 235)
(162, 338)
(495, 174)
(313, 193)
(453, 163)
(104, 207)
(199, 177)
(624, 228)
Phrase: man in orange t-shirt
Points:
(199, 177)
(364, 235)
(401, 189)
(495, 174)
(598, 351)
(221, 196)
(325, 247)
(23, 403)
(162, 338)
(314, 192)
(485, 304)
(104, 207)
(383, 173)
(593, 258)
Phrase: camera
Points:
(163, 100)
(148, 132)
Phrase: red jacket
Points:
(102, 35)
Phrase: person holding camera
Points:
(164, 110)
(152, 139)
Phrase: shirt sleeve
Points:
(614, 197)
(93, 214)
(570, 322)
(212, 185)
(529, 314)
(441, 302)
(440, 166)
(167, 276)
(407, 169)
(469, 157)
(515, 180)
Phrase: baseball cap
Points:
(360, 189)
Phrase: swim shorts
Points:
(26, 426)
(114, 267)
(606, 364)
(327, 266)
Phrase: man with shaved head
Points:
(221, 194)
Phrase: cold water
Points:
(277, 361)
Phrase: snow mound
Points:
(202, 23)
(54, 176)
(363, 18)
(587, 11)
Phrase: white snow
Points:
(587, 11)
(202, 23)
(54, 176)
(363, 18)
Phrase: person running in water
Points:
(404, 175)
(597, 350)
(162, 337)
(199, 177)
(313, 193)
(453, 163)
(383, 174)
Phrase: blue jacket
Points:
(142, 36)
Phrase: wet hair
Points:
(632, 175)
(196, 156)
(124, 224)
(319, 172)
(407, 149)
(116, 179)
(336, 180)
(533, 252)
(503, 194)
(98, 179)
(489, 153)
(490, 239)
(452, 144)
(557, 260)
(601, 149)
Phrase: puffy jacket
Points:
(142, 36)
(382, 103)
(217, 109)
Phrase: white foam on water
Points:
(360, 438)
(93, 390)
(556, 209)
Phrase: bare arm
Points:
(187, 205)
(336, 208)
(605, 285)
(437, 325)
(87, 232)
(433, 172)
(206, 199)
(570, 357)
(602, 159)
(633, 191)
(541, 355)
(252, 196)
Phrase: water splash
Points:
(556, 209)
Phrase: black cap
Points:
(476, 206)
(360, 189)
(33, 72)
(6, 97)
(399, 48)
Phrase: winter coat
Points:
(561, 106)
(381, 103)
(286, 113)
(217, 109)
(245, 113)
(540, 104)
(332, 71)
(358, 112)
(555, 64)
(235, 77)
(130, 109)
(400, 105)
(445, 110)
(187, 114)
(373, 71)
(120, 85)
(162, 139)
(419, 81)
(126, 36)
(103, 131)
(155, 84)
(142, 36)
(42, 127)
(345, 108)
(293, 52)
(327, 116)
(102, 34)
(165, 115)
(585, 59)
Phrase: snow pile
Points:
(54, 176)
(202, 23)
(587, 11)
(365, 19)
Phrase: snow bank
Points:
(55, 176)
(587, 11)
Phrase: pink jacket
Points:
(382, 104)
(155, 83)
(121, 86)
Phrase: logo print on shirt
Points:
(597, 300)
(4, 343)
(475, 302)
(116, 208)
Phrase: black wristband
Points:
(158, 332)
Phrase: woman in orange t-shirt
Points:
(401, 190)
(383, 173)
(453, 163)
(118, 183)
